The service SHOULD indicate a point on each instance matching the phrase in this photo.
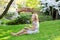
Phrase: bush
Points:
(23, 19)
(44, 18)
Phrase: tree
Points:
(52, 6)
(7, 8)
(32, 3)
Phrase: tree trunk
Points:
(56, 14)
(7, 8)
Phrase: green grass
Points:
(49, 30)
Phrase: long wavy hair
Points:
(35, 16)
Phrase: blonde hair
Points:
(35, 17)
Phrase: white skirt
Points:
(32, 32)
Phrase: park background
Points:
(16, 14)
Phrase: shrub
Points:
(23, 19)
(44, 18)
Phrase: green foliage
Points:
(4, 21)
(26, 18)
(32, 3)
(23, 19)
(44, 18)
(19, 6)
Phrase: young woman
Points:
(30, 30)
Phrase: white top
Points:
(35, 24)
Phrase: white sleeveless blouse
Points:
(35, 24)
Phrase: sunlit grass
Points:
(49, 30)
(5, 38)
(1, 29)
(57, 38)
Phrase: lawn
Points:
(49, 30)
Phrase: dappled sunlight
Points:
(8, 31)
(46, 32)
(1, 35)
(5, 38)
(5, 32)
(57, 38)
